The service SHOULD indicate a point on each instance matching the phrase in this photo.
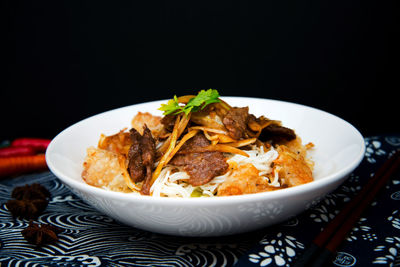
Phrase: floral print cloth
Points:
(93, 239)
(374, 240)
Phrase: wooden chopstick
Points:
(324, 246)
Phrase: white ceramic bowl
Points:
(339, 148)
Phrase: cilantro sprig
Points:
(203, 98)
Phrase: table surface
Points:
(91, 238)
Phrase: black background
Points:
(67, 60)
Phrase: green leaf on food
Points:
(171, 106)
(203, 98)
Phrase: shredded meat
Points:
(202, 167)
(141, 158)
(235, 122)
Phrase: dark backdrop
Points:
(67, 60)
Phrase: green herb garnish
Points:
(203, 98)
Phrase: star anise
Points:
(26, 209)
(31, 201)
(33, 191)
(40, 234)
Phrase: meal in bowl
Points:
(200, 147)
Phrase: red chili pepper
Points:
(16, 151)
(22, 164)
(38, 144)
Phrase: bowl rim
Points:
(206, 201)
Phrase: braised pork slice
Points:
(235, 122)
(202, 167)
(141, 158)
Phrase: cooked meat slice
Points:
(252, 123)
(146, 184)
(235, 122)
(135, 163)
(199, 140)
(208, 116)
(168, 121)
(276, 133)
(148, 147)
(148, 157)
(141, 158)
(202, 167)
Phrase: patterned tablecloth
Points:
(93, 239)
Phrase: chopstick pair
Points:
(324, 246)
